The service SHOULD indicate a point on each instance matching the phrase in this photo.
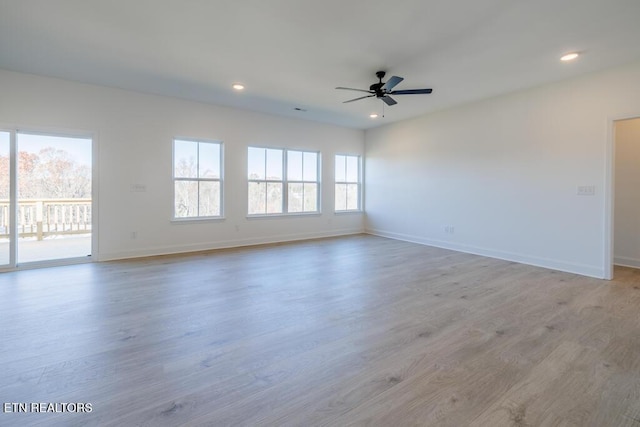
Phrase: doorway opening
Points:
(625, 194)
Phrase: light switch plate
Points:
(586, 190)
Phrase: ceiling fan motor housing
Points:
(377, 87)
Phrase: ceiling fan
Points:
(383, 90)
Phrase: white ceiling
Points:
(293, 53)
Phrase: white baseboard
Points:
(236, 243)
(626, 262)
(582, 269)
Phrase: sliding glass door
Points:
(45, 197)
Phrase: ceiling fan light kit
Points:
(382, 90)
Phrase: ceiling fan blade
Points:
(388, 100)
(410, 91)
(357, 99)
(350, 88)
(391, 83)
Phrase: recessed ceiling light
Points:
(237, 86)
(373, 115)
(569, 56)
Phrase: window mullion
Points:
(198, 178)
(266, 184)
(359, 176)
(285, 181)
(318, 182)
(303, 182)
(302, 178)
(346, 170)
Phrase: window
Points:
(197, 178)
(302, 180)
(282, 181)
(347, 197)
(265, 180)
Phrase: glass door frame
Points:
(13, 203)
(13, 200)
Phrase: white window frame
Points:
(285, 182)
(267, 181)
(346, 182)
(198, 179)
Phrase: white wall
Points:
(504, 173)
(134, 134)
(627, 193)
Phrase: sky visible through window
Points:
(78, 148)
(265, 164)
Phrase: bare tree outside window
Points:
(50, 174)
(53, 207)
(265, 174)
(282, 181)
(347, 176)
(197, 175)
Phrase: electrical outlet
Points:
(134, 235)
(449, 229)
(138, 188)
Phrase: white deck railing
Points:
(48, 217)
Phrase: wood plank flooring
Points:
(350, 331)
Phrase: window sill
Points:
(283, 215)
(353, 212)
(195, 219)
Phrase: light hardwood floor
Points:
(358, 330)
